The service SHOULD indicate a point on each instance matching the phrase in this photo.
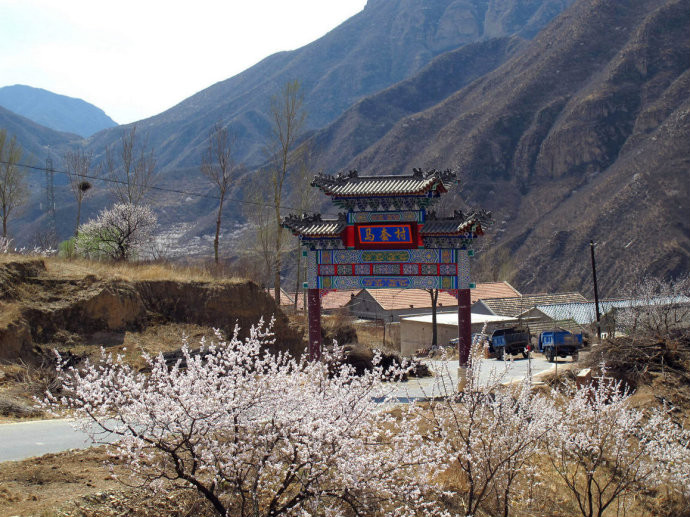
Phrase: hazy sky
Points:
(136, 58)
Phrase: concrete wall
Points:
(393, 335)
(416, 334)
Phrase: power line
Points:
(152, 187)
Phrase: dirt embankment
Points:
(42, 305)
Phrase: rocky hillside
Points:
(58, 112)
(582, 135)
(51, 303)
(373, 117)
(385, 43)
(38, 142)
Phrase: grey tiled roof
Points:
(538, 326)
(353, 185)
(445, 227)
(581, 313)
(459, 223)
(517, 305)
(313, 226)
(324, 228)
(585, 313)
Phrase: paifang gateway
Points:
(388, 238)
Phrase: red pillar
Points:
(464, 325)
(314, 307)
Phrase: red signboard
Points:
(385, 236)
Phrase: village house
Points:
(389, 305)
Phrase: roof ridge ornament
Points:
(478, 214)
(303, 218)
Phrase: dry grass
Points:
(20, 385)
(13, 257)
(39, 486)
(131, 345)
(9, 312)
(137, 271)
(129, 271)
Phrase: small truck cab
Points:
(559, 343)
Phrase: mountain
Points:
(582, 135)
(570, 127)
(389, 41)
(38, 142)
(55, 111)
(371, 118)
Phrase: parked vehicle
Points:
(559, 343)
(513, 341)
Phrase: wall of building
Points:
(417, 334)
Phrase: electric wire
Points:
(188, 193)
(152, 187)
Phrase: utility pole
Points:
(50, 199)
(596, 290)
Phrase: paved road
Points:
(447, 372)
(28, 439)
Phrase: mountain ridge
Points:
(578, 133)
(376, 48)
(55, 111)
(37, 141)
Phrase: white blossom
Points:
(602, 446)
(253, 433)
(117, 233)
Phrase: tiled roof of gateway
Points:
(354, 185)
(459, 222)
(311, 225)
(517, 305)
(398, 299)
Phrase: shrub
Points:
(67, 249)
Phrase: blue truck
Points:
(559, 343)
(511, 341)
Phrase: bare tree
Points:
(658, 308)
(13, 189)
(218, 167)
(287, 118)
(78, 165)
(134, 174)
(261, 240)
(304, 200)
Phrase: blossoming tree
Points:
(260, 435)
(117, 233)
(489, 433)
(253, 433)
(602, 447)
